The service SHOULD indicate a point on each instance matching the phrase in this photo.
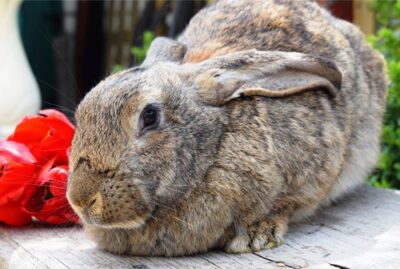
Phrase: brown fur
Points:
(269, 110)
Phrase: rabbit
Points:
(255, 117)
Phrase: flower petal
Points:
(12, 214)
(55, 114)
(17, 152)
(57, 211)
(58, 180)
(47, 134)
(49, 202)
(17, 168)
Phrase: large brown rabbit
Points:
(260, 113)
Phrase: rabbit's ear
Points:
(164, 49)
(265, 73)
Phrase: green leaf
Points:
(139, 53)
(117, 68)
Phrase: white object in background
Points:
(19, 91)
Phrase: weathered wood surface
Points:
(362, 231)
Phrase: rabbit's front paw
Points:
(265, 234)
(240, 243)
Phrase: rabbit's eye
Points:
(149, 119)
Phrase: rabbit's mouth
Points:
(130, 224)
(135, 223)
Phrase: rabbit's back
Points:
(299, 26)
(345, 130)
(284, 25)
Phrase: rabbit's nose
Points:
(82, 191)
(82, 203)
(80, 199)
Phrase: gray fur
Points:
(267, 116)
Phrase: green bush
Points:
(387, 41)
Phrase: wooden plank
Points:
(362, 231)
(11, 251)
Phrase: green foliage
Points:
(116, 68)
(387, 41)
(140, 52)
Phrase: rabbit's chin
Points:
(128, 224)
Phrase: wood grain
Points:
(361, 231)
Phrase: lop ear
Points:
(164, 49)
(265, 73)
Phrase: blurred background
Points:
(71, 45)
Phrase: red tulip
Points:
(46, 135)
(48, 203)
(34, 170)
(17, 168)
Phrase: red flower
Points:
(17, 167)
(34, 170)
(46, 135)
(48, 203)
